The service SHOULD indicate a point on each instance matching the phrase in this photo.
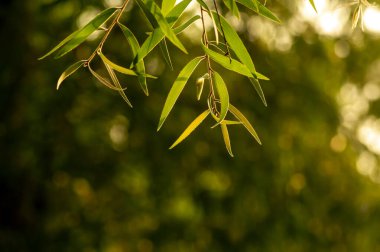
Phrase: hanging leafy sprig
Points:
(226, 50)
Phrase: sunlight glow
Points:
(371, 19)
(329, 20)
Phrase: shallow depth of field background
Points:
(81, 171)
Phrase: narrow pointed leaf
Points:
(183, 26)
(63, 42)
(81, 35)
(166, 54)
(231, 5)
(140, 66)
(226, 62)
(69, 71)
(148, 15)
(157, 35)
(119, 68)
(226, 138)
(117, 84)
(166, 6)
(256, 84)
(163, 24)
(237, 67)
(245, 122)
(177, 88)
(260, 9)
(312, 4)
(103, 80)
(192, 126)
(227, 122)
(236, 44)
(221, 88)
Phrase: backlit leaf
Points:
(226, 138)
(166, 6)
(237, 67)
(157, 35)
(192, 126)
(119, 68)
(69, 71)
(183, 26)
(256, 84)
(312, 4)
(222, 91)
(117, 84)
(260, 9)
(103, 80)
(163, 24)
(82, 34)
(140, 66)
(177, 88)
(165, 53)
(236, 44)
(231, 5)
(245, 122)
(200, 83)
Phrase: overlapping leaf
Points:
(157, 35)
(140, 66)
(69, 71)
(162, 23)
(177, 88)
(117, 84)
(231, 64)
(192, 126)
(260, 9)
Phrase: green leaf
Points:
(81, 35)
(227, 122)
(166, 54)
(231, 5)
(225, 62)
(117, 84)
(226, 138)
(69, 71)
(236, 44)
(245, 122)
(177, 88)
(121, 69)
(256, 84)
(260, 9)
(221, 88)
(103, 80)
(166, 6)
(140, 66)
(192, 126)
(163, 24)
(68, 38)
(237, 67)
(183, 26)
(152, 20)
(312, 4)
(157, 35)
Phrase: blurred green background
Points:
(81, 171)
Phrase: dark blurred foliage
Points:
(81, 171)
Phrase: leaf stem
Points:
(211, 97)
(108, 32)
